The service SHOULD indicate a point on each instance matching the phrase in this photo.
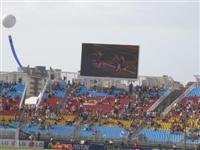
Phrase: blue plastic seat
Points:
(195, 92)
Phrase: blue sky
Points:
(51, 33)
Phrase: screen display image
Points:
(106, 60)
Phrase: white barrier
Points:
(21, 143)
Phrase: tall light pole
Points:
(185, 137)
(197, 79)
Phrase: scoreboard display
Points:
(110, 61)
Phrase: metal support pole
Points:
(185, 140)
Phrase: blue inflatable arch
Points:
(14, 52)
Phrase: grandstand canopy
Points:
(31, 101)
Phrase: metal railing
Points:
(22, 98)
(41, 95)
(159, 101)
(10, 134)
(166, 111)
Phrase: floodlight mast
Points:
(197, 77)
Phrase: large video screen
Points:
(106, 60)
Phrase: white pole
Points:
(22, 98)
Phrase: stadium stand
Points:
(183, 118)
(102, 113)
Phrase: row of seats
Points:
(104, 131)
(108, 132)
(53, 130)
(162, 136)
(116, 92)
(58, 93)
(194, 141)
(195, 92)
(92, 93)
(14, 90)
